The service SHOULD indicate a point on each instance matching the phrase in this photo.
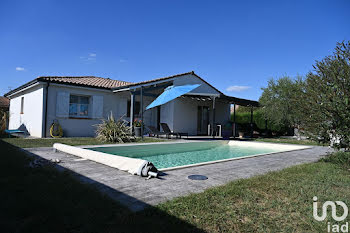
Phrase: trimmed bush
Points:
(243, 118)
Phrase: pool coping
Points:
(139, 143)
(304, 147)
(227, 160)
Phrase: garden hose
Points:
(56, 130)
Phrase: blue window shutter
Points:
(62, 104)
(97, 106)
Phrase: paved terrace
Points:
(137, 193)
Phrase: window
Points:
(22, 105)
(136, 108)
(78, 106)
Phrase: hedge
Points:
(258, 120)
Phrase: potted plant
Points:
(227, 131)
(137, 127)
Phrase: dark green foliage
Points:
(326, 104)
(341, 158)
(243, 118)
(281, 100)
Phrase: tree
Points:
(327, 108)
(280, 101)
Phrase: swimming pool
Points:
(174, 155)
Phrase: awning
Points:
(171, 93)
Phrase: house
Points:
(79, 103)
(4, 103)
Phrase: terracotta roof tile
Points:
(91, 81)
(98, 82)
(4, 102)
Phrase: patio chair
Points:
(14, 132)
(155, 131)
(167, 130)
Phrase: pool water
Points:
(180, 154)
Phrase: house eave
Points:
(23, 88)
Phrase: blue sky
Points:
(235, 45)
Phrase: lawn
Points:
(45, 200)
(290, 141)
(48, 142)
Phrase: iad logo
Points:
(335, 227)
(333, 208)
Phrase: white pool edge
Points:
(140, 144)
(291, 147)
(226, 160)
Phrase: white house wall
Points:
(186, 110)
(192, 79)
(32, 117)
(77, 127)
(167, 113)
(185, 116)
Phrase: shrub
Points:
(111, 130)
(281, 101)
(243, 118)
(326, 104)
(3, 120)
(340, 158)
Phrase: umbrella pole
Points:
(141, 103)
(132, 97)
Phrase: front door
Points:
(202, 120)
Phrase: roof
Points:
(156, 80)
(166, 78)
(98, 82)
(4, 102)
(106, 83)
(91, 81)
(239, 101)
(225, 99)
(86, 81)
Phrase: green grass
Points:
(276, 202)
(290, 141)
(45, 200)
(48, 142)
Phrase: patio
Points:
(137, 193)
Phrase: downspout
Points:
(141, 107)
(46, 103)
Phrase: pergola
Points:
(142, 90)
(231, 100)
(148, 89)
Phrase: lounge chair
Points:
(167, 130)
(155, 131)
(14, 132)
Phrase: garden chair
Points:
(167, 130)
(155, 131)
